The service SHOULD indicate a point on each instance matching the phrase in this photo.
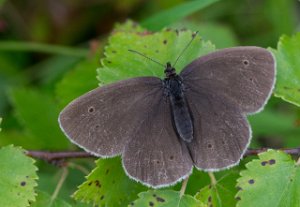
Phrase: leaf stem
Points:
(183, 186)
(43, 48)
(212, 178)
(78, 167)
(59, 184)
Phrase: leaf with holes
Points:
(164, 46)
(17, 177)
(272, 180)
(220, 194)
(108, 185)
(165, 198)
(288, 69)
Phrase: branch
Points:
(56, 156)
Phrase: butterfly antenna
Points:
(186, 47)
(141, 54)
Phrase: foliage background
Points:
(49, 48)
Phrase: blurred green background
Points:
(43, 43)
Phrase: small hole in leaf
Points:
(159, 199)
(264, 163)
(272, 162)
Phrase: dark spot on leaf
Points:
(177, 32)
(251, 181)
(165, 41)
(209, 199)
(168, 29)
(132, 203)
(90, 183)
(107, 171)
(159, 199)
(263, 163)
(156, 51)
(211, 205)
(154, 195)
(209, 187)
(171, 157)
(97, 183)
(272, 162)
(91, 109)
(27, 176)
(114, 51)
(102, 197)
(151, 203)
(238, 198)
(109, 61)
(23, 183)
(286, 88)
(246, 62)
(291, 180)
(239, 188)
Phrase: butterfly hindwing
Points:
(156, 156)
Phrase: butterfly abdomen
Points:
(180, 112)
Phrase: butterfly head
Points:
(169, 70)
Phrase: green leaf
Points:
(169, 16)
(165, 198)
(220, 194)
(38, 112)
(43, 199)
(288, 69)
(272, 180)
(128, 26)
(163, 46)
(221, 35)
(108, 185)
(78, 81)
(17, 177)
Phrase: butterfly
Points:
(162, 128)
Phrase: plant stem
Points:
(183, 186)
(212, 178)
(59, 184)
(44, 48)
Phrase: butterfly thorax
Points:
(174, 90)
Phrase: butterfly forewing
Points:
(104, 119)
(243, 75)
(156, 156)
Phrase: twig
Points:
(55, 156)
